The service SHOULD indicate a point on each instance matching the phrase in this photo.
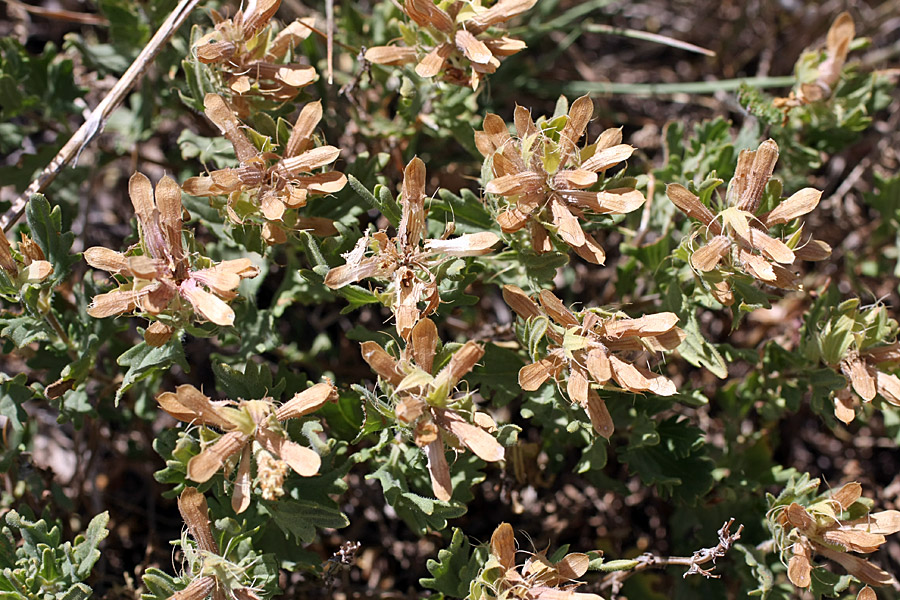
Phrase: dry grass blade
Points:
(472, 437)
(423, 344)
(205, 412)
(800, 567)
(439, 470)
(240, 498)
(210, 460)
(470, 244)
(198, 589)
(690, 205)
(195, 512)
(520, 302)
(307, 401)
(554, 307)
(381, 362)
(799, 204)
(301, 134)
(847, 495)
(503, 546)
(708, 257)
(757, 176)
(302, 460)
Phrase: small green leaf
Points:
(47, 229)
(143, 361)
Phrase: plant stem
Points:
(97, 119)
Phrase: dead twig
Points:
(616, 579)
(97, 119)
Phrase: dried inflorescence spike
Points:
(738, 240)
(29, 266)
(212, 572)
(408, 260)
(860, 344)
(427, 402)
(828, 72)
(253, 60)
(594, 347)
(162, 280)
(538, 578)
(548, 183)
(273, 185)
(243, 423)
(461, 44)
(821, 528)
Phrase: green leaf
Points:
(672, 457)
(455, 568)
(24, 330)
(143, 361)
(253, 383)
(420, 513)
(301, 517)
(87, 551)
(383, 203)
(695, 348)
(13, 394)
(497, 375)
(47, 229)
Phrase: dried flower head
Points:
(818, 83)
(408, 260)
(835, 526)
(267, 185)
(157, 276)
(594, 346)
(737, 239)
(243, 423)
(860, 343)
(252, 58)
(539, 578)
(426, 400)
(28, 265)
(213, 574)
(549, 183)
(461, 43)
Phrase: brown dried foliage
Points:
(425, 400)
(244, 422)
(738, 239)
(407, 260)
(467, 45)
(595, 348)
(545, 178)
(161, 279)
